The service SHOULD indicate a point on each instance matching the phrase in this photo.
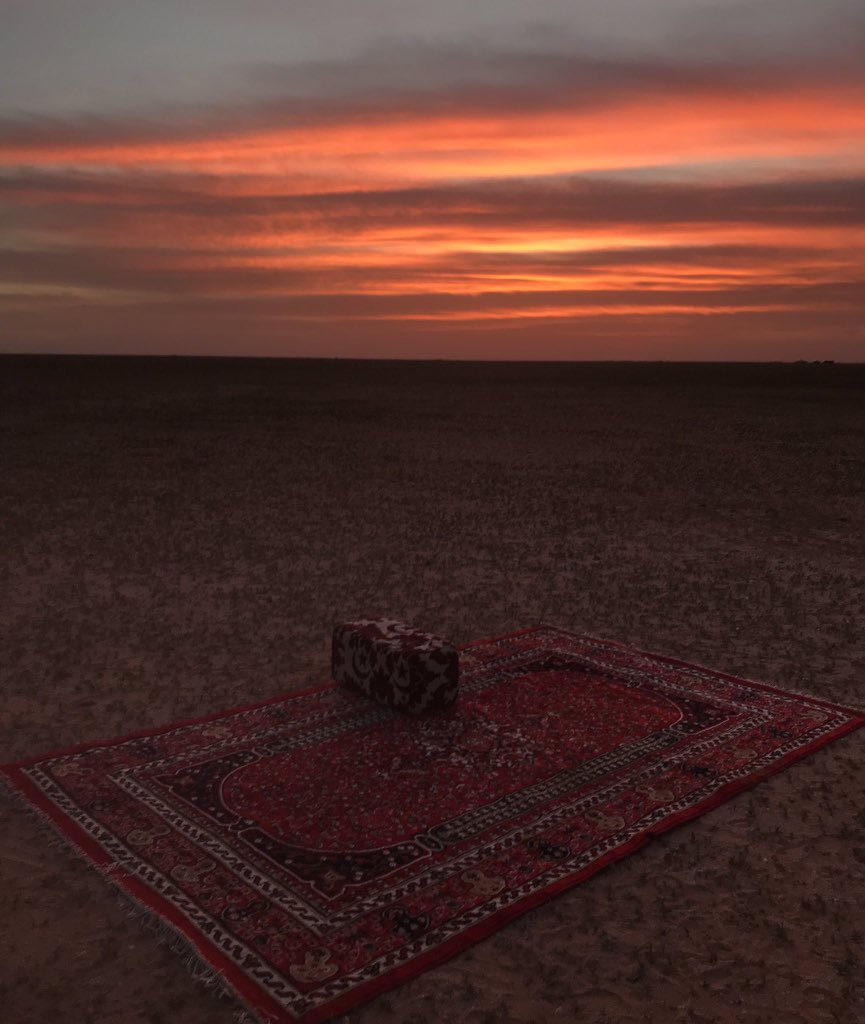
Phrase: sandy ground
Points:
(181, 537)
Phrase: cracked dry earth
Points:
(180, 537)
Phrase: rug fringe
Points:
(167, 936)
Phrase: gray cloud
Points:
(409, 78)
(107, 56)
(65, 201)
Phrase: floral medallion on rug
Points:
(318, 849)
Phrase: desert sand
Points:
(180, 537)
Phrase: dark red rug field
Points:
(318, 849)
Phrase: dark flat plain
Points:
(181, 535)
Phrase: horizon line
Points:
(166, 357)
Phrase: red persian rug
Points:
(318, 849)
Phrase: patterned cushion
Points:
(396, 664)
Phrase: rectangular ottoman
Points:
(396, 664)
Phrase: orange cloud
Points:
(480, 215)
(422, 145)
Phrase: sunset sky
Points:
(610, 179)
